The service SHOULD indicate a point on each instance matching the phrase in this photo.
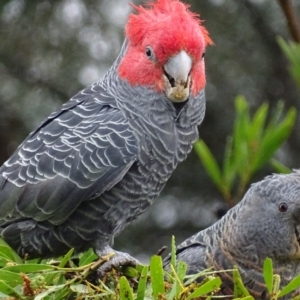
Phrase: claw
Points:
(119, 259)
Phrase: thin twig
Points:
(292, 21)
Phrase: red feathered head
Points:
(165, 27)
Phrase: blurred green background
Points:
(49, 50)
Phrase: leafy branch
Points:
(253, 144)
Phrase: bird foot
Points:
(114, 260)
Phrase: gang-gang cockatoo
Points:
(266, 223)
(98, 162)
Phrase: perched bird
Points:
(98, 162)
(265, 223)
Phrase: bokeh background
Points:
(49, 50)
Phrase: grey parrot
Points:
(265, 223)
(98, 162)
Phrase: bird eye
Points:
(203, 54)
(283, 207)
(149, 52)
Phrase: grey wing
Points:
(82, 150)
(193, 252)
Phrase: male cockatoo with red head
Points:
(98, 162)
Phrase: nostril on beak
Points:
(187, 82)
(170, 78)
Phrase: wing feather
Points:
(81, 150)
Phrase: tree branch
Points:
(292, 21)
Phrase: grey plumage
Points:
(264, 224)
(93, 166)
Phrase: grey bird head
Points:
(268, 219)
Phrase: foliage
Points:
(292, 52)
(64, 279)
(253, 144)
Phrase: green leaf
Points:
(181, 270)
(87, 257)
(79, 288)
(53, 277)
(273, 139)
(125, 289)
(30, 268)
(157, 276)
(229, 166)
(142, 284)
(258, 122)
(129, 271)
(61, 294)
(8, 290)
(279, 167)
(268, 274)
(211, 286)
(9, 252)
(240, 135)
(173, 252)
(51, 290)
(291, 286)
(66, 258)
(195, 277)
(10, 277)
(209, 163)
(238, 286)
(292, 52)
(276, 284)
(178, 282)
(175, 291)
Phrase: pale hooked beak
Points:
(177, 77)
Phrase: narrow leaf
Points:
(30, 268)
(181, 270)
(15, 257)
(157, 276)
(10, 277)
(51, 290)
(258, 122)
(279, 167)
(142, 284)
(79, 288)
(211, 286)
(229, 166)
(87, 257)
(178, 282)
(291, 286)
(173, 252)
(8, 290)
(125, 289)
(209, 162)
(66, 258)
(268, 274)
(273, 139)
(238, 286)
(129, 271)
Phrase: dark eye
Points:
(203, 54)
(149, 52)
(283, 207)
